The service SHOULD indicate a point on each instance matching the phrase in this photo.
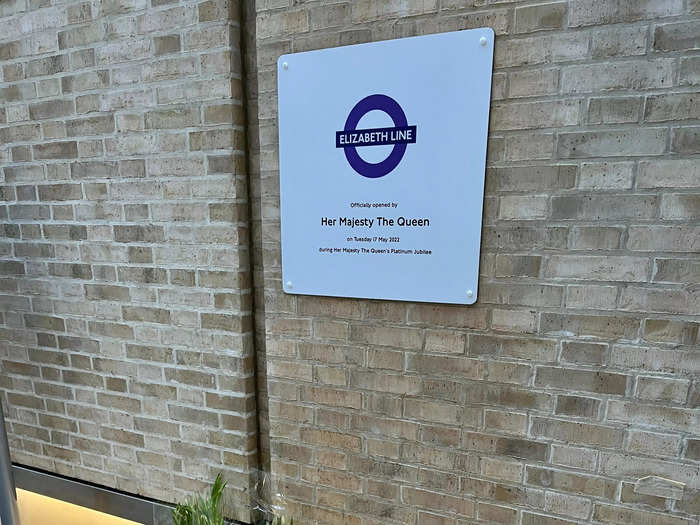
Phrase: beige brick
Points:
(659, 416)
(332, 397)
(539, 519)
(543, 350)
(172, 118)
(618, 41)
(444, 389)
(582, 380)
(529, 147)
(441, 365)
(669, 331)
(532, 295)
(60, 192)
(618, 110)
(51, 109)
(693, 449)
(502, 470)
(409, 338)
(448, 316)
(531, 207)
(531, 115)
(512, 447)
(518, 265)
(606, 175)
(628, 75)
(590, 12)
(593, 297)
(664, 238)
(329, 16)
(584, 353)
(518, 321)
(649, 141)
(567, 505)
(331, 439)
(47, 66)
(443, 341)
(342, 308)
(637, 466)
(532, 83)
(505, 494)
(686, 140)
(291, 370)
(123, 51)
(527, 178)
(678, 36)
(56, 150)
(385, 359)
(541, 49)
(680, 206)
(591, 325)
(497, 514)
(580, 458)
(391, 428)
(366, 10)
(398, 384)
(81, 36)
(668, 174)
(103, 292)
(540, 17)
(610, 268)
(507, 422)
(662, 389)
(636, 299)
(432, 411)
(612, 514)
(164, 45)
(671, 107)
(576, 432)
(571, 482)
(654, 359)
(422, 498)
(577, 406)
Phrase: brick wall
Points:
(576, 373)
(125, 316)
(128, 341)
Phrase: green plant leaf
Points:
(202, 511)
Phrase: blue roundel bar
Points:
(376, 137)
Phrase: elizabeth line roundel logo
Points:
(400, 135)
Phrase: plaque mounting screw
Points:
(285, 65)
(470, 293)
(483, 41)
(289, 284)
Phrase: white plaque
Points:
(382, 159)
